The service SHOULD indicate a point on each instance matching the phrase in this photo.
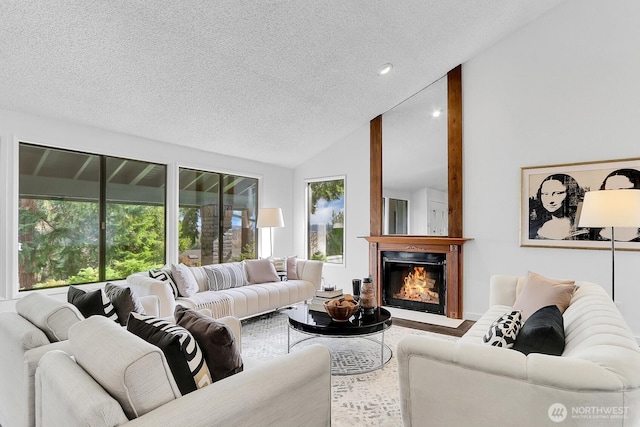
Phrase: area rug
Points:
(370, 399)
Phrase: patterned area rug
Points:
(369, 399)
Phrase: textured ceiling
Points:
(271, 80)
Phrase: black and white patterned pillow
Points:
(160, 274)
(226, 276)
(91, 303)
(504, 330)
(183, 354)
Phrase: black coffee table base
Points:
(350, 355)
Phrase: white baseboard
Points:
(471, 316)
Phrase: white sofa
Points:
(596, 380)
(40, 324)
(241, 302)
(118, 378)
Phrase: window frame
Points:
(221, 207)
(102, 210)
(307, 236)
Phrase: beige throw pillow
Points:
(261, 271)
(539, 291)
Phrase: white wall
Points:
(348, 157)
(564, 89)
(274, 190)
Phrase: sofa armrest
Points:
(236, 327)
(310, 270)
(469, 370)
(151, 304)
(144, 285)
(67, 395)
(300, 381)
(31, 359)
(427, 363)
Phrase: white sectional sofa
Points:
(594, 382)
(239, 301)
(118, 378)
(40, 324)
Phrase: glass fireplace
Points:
(414, 281)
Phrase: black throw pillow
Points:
(543, 332)
(216, 340)
(180, 348)
(92, 303)
(124, 300)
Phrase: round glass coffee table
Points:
(361, 347)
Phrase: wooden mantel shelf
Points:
(451, 246)
(417, 240)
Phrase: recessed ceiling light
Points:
(385, 69)
(436, 113)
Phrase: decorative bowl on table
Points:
(341, 309)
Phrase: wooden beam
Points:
(454, 114)
(375, 167)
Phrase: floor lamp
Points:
(270, 217)
(611, 208)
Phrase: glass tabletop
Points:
(316, 322)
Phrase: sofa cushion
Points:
(292, 268)
(543, 332)
(261, 271)
(125, 300)
(216, 340)
(181, 350)
(185, 281)
(50, 315)
(132, 370)
(225, 276)
(165, 276)
(539, 291)
(92, 303)
(504, 330)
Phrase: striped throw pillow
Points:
(226, 276)
(183, 354)
(160, 274)
(280, 264)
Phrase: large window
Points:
(325, 231)
(87, 218)
(217, 217)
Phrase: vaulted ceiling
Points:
(270, 80)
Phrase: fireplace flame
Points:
(418, 286)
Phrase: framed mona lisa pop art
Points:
(551, 200)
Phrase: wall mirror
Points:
(414, 164)
(406, 142)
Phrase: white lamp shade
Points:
(270, 217)
(610, 208)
